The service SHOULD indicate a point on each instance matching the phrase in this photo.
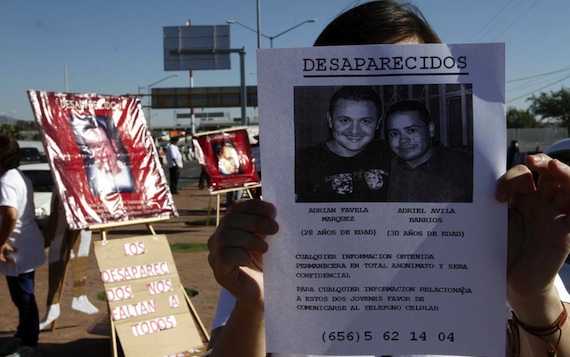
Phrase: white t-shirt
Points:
(16, 191)
(173, 155)
(226, 303)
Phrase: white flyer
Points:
(382, 161)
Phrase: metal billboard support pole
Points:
(242, 84)
(258, 24)
(241, 51)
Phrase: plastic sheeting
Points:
(226, 157)
(103, 158)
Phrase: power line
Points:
(538, 82)
(516, 20)
(536, 79)
(503, 13)
(539, 75)
(544, 87)
(481, 35)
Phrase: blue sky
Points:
(116, 47)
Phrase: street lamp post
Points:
(258, 23)
(150, 96)
(271, 38)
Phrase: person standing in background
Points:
(174, 159)
(66, 245)
(21, 249)
(233, 196)
(512, 152)
(202, 179)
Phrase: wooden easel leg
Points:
(151, 229)
(114, 351)
(53, 325)
(217, 209)
(209, 210)
(196, 317)
(72, 237)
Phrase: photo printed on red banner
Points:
(103, 158)
(226, 158)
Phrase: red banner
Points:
(103, 158)
(226, 157)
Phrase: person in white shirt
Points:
(66, 245)
(21, 249)
(539, 224)
(174, 159)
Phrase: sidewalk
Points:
(78, 334)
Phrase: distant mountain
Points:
(4, 119)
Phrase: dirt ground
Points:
(78, 334)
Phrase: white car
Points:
(560, 150)
(42, 181)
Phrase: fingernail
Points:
(536, 158)
(560, 164)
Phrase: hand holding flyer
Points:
(438, 261)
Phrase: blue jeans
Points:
(174, 175)
(22, 292)
(233, 196)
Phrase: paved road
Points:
(190, 173)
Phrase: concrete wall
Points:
(531, 138)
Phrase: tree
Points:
(555, 105)
(517, 118)
(25, 125)
(8, 129)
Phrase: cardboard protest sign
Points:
(103, 158)
(146, 298)
(226, 157)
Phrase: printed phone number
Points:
(356, 336)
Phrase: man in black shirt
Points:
(424, 171)
(352, 165)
